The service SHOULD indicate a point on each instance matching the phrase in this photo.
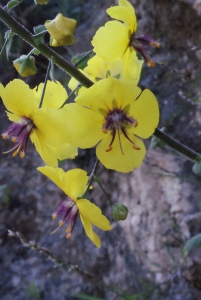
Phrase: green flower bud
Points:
(41, 1)
(25, 65)
(61, 30)
(120, 211)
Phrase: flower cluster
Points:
(113, 115)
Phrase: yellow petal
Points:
(19, 99)
(13, 117)
(93, 214)
(125, 3)
(55, 94)
(42, 148)
(55, 174)
(99, 68)
(115, 160)
(90, 233)
(111, 41)
(132, 66)
(125, 14)
(65, 26)
(1, 90)
(65, 151)
(108, 94)
(53, 124)
(85, 126)
(75, 183)
(146, 111)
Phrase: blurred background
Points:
(141, 258)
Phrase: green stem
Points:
(31, 52)
(4, 46)
(45, 50)
(102, 188)
(45, 83)
(179, 147)
(74, 72)
(91, 177)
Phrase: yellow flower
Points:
(45, 126)
(97, 69)
(113, 115)
(73, 183)
(61, 30)
(119, 38)
(25, 65)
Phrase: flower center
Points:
(19, 133)
(118, 121)
(67, 212)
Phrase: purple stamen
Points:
(67, 212)
(19, 133)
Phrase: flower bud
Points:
(120, 211)
(25, 65)
(41, 1)
(61, 30)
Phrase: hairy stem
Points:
(176, 145)
(34, 246)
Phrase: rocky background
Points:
(142, 256)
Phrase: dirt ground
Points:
(142, 255)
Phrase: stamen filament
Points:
(110, 145)
(120, 141)
(133, 144)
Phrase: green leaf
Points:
(11, 4)
(81, 59)
(194, 242)
(9, 37)
(156, 143)
(197, 168)
(39, 29)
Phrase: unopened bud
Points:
(61, 30)
(120, 211)
(25, 65)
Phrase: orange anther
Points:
(151, 64)
(22, 154)
(104, 130)
(136, 124)
(68, 235)
(136, 147)
(4, 136)
(14, 139)
(54, 216)
(109, 149)
(61, 223)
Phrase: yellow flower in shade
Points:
(61, 30)
(45, 126)
(25, 65)
(119, 40)
(113, 115)
(73, 183)
(97, 69)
